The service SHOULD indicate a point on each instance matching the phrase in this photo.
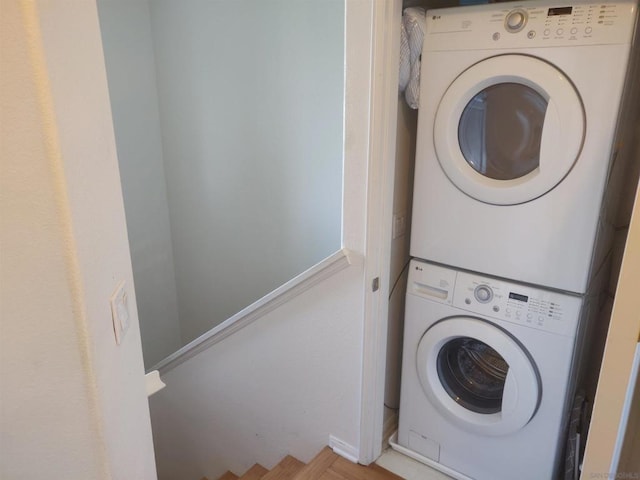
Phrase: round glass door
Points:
(509, 129)
(500, 130)
(478, 375)
(473, 374)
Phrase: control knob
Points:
(515, 20)
(483, 293)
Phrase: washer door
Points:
(509, 129)
(478, 376)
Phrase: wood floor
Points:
(325, 466)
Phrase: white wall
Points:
(292, 378)
(251, 111)
(73, 402)
(402, 195)
(280, 386)
(610, 372)
(129, 57)
(622, 338)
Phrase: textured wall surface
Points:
(73, 402)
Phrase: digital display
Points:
(559, 11)
(517, 296)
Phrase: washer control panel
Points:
(496, 298)
(541, 23)
(516, 303)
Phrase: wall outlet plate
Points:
(399, 225)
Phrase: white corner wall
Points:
(289, 380)
(402, 194)
(251, 104)
(73, 402)
(129, 58)
(622, 339)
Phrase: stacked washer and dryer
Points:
(515, 163)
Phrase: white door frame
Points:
(385, 55)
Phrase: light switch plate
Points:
(119, 311)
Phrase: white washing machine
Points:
(486, 375)
(518, 111)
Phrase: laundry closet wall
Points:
(406, 136)
(233, 177)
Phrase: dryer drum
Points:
(473, 374)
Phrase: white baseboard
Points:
(343, 449)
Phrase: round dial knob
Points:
(483, 293)
(515, 21)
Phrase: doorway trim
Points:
(383, 105)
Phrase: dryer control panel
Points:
(496, 298)
(539, 23)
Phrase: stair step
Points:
(326, 465)
(285, 470)
(352, 471)
(227, 476)
(255, 473)
(316, 467)
(331, 475)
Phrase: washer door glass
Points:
(473, 374)
(478, 376)
(500, 130)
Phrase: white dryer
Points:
(486, 374)
(518, 111)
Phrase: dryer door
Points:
(478, 376)
(509, 129)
